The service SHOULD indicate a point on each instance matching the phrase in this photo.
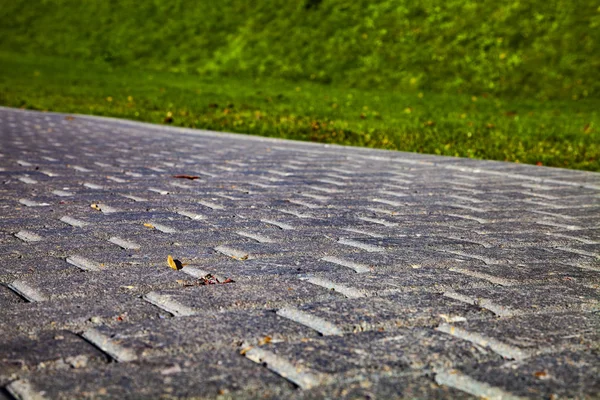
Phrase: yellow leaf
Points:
(175, 264)
(96, 207)
(148, 225)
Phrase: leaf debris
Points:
(173, 263)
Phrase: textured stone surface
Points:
(309, 271)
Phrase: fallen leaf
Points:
(265, 340)
(69, 118)
(147, 225)
(96, 207)
(175, 264)
(541, 375)
(245, 350)
(190, 177)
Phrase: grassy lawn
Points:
(560, 133)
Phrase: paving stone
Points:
(573, 375)
(393, 312)
(48, 350)
(533, 334)
(300, 270)
(402, 350)
(211, 374)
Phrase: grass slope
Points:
(544, 49)
(556, 133)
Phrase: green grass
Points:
(544, 49)
(561, 133)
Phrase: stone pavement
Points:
(309, 271)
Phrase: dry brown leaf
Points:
(190, 177)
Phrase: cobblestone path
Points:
(299, 270)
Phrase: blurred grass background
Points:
(505, 79)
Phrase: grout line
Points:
(280, 225)
(359, 245)
(301, 377)
(347, 291)
(498, 347)
(320, 325)
(109, 346)
(84, 263)
(378, 221)
(359, 268)
(497, 309)
(169, 305)
(257, 237)
(23, 390)
(125, 244)
(28, 236)
(233, 253)
(457, 380)
(73, 221)
(490, 278)
(27, 292)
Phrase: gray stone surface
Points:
(309, 271)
